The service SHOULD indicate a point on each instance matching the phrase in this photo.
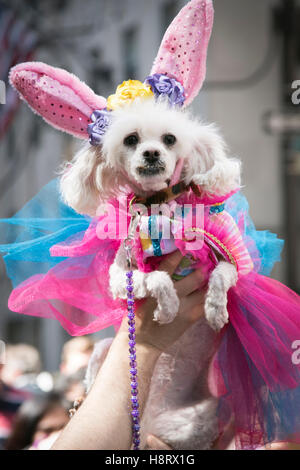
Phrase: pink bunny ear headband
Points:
(177, 74)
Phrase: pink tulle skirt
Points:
(255, 372)
(76, 290)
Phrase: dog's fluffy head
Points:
(141, 149)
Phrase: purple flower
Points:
(97, 128)
(162, 85)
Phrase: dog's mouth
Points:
(152, 170)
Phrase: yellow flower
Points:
(127, 92)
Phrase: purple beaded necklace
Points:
(135, 414)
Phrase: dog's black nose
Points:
(151, 156)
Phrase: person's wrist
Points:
(145, 346)
(148, 350)
(144, 349)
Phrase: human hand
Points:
(154, 443)
(281, 446)
(191, 308)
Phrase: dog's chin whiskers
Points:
(150, 171)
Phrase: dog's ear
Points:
(208, 165)
(183, 51)
(78, 184)
(88, 181)
(58, 96)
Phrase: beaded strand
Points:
(135, 415)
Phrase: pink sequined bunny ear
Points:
(58, 96)
(183, 51)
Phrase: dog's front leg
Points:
(160, 286)
(223, 277)
(117, 278)
(157, 284)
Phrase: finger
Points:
(189, 284)
(170, 263)
(225, 441)
(282, 446)
(153, 443)
(192, 307)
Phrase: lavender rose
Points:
(162, 85)
(96, 130)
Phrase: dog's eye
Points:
(131, 140)
(169, 139)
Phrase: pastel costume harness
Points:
(59, 265)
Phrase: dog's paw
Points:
(163, 315)
(221, 280)
(202, 180)
(216, 312)
(160, 286)
(118, 289)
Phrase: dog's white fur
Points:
(98, 173)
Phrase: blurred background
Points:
(253, 63)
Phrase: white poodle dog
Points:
(140, 150)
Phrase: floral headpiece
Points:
(177, 75)
(156, 85)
